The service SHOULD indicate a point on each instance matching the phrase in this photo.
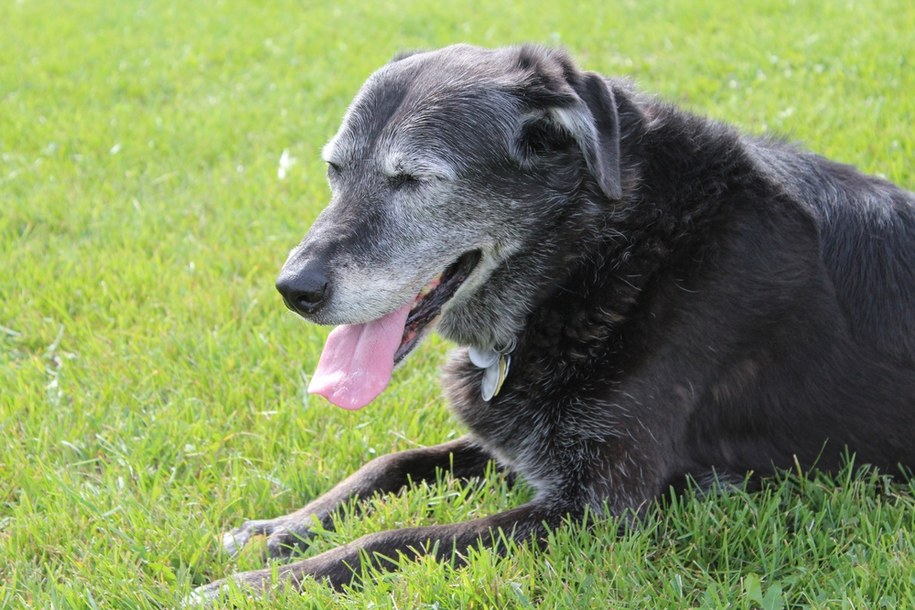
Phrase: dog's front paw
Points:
(284, 535)
(257, 583)
(205, 596)
(253, 583)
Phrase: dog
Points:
(640, 297)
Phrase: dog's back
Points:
(866, 229)
(852, 359)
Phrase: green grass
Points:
(152, 383)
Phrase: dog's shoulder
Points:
(865, 228)
(767, 197)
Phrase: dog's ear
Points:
(566, 103)
(599, 133)
(401, 55)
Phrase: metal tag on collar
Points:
(482, 358)
(495, 365)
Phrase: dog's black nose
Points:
(304, 291)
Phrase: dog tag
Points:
(482, 358)
(495, 364)
(505, 361)
(494, 376)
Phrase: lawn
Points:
(152, 385)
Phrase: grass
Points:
(152, 384)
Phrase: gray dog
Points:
(640, 298)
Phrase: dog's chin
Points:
(436, 296)
(470, 322)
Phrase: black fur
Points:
(696, 303)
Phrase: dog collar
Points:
(495, 363)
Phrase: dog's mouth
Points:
(358, 359)
(429, 302)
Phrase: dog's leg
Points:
(385, 474)
(382, 550)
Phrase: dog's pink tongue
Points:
(358, 360)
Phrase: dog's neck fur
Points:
(622, 246)
(590, 310)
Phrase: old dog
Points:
(639, 297)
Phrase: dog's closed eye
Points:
(403, 180)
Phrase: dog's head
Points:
(448, 164)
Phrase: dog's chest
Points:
(552, 416)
